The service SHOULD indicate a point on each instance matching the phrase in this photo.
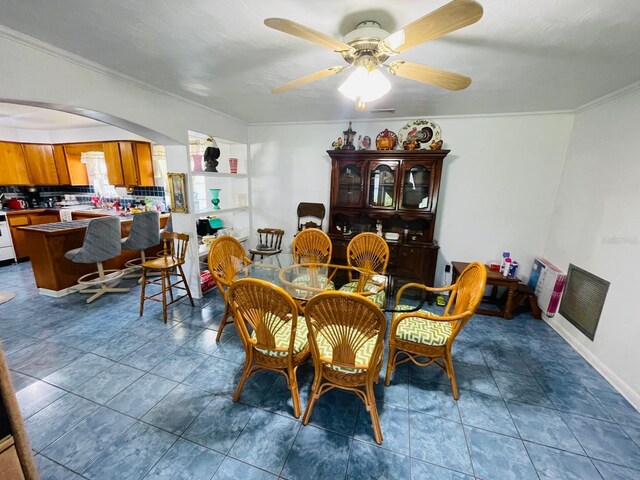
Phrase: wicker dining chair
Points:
(346, 339)
(370, 252)
(226, 258)
(423, 334)
(273, 335)
(168, 264)
(312, 245)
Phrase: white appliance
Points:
(6, 245)
(548, 282)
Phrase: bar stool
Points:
(101, 243)
(174, 253)
(144, 233)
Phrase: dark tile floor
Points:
(109, 395)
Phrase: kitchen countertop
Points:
(57, 228)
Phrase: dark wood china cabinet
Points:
(397, 189)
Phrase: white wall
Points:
(479, 214)
(596, 227)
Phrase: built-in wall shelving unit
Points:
(234, 195)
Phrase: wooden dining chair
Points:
(346, 339)
(423, 334)
(226, 258)
(369, 252)
(269, 243)
(306, 210)
(168, 264)
(273, 335)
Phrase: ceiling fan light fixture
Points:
(365, 85)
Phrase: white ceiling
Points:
(522, 55)
(24, 117)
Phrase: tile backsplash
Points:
(83, 194)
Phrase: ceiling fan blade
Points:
(306, 33)
(448, 18)
(312, 77)
(427, 74)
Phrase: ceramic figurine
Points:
(366, 142)
(359, 142)
(337, 145)
(349, 135)
(211, 155)
(436, 145)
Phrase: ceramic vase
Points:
(197, 162)
(215, 193)
(233, 165)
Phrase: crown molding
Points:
(608, 97)
(31, 42)
(408, 119)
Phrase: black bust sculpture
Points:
(211, 155)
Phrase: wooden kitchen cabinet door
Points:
(61, 165)
(40, 164)
(78, 170)
(144, 161)
(13, 166)
(129, 170)
(114, 164)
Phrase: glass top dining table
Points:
(303, 281)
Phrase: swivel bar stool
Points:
(101, 243)
(145, 233)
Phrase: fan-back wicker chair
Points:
(346, 339)
(226, 258)
(370, 252)
(273, 335)
(168, 264)
(269, 242)
(424, 334)
(312, 245)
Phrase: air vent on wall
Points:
(583, 300)
(382, 110)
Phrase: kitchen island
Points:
(46, 245)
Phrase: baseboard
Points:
(625, 390)
(57, 293)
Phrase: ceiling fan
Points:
(369, 46)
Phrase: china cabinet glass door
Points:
(416, 186)
(350, 186)
(382, 184)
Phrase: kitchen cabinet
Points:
(13, 166)
(114, 165)
(129, 170)
(40, 164)
(61, 165)
(396, 188)
(137, 164)
(144, 162)
(77, 170)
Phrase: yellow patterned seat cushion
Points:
(306, 280)
(377, 298)
(363, 355)
(282, 338)
(421, 330)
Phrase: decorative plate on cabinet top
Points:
(423, 131)
(386, 140)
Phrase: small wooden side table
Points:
(495, 279)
